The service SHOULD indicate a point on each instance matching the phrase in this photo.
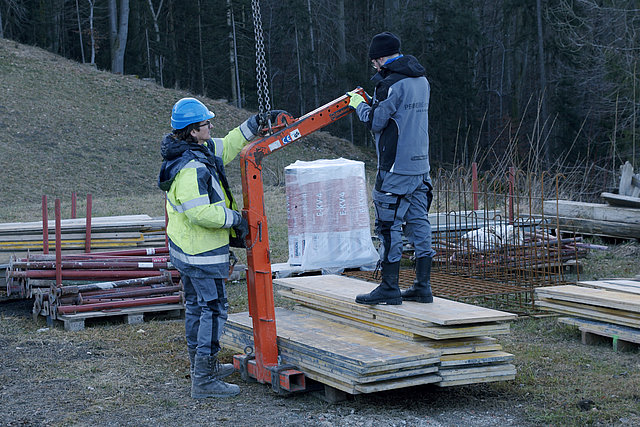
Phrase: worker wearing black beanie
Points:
(398, 117)
(384, 44)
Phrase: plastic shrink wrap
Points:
(328, 215)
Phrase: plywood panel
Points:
(592, 296)
(440, 312)
(619, 285)
(363, 351)
(394, 324)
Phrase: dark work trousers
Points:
(411, 210)
(205, 313)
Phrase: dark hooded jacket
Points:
(200, 208)
(399, 117)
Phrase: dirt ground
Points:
(51, 377)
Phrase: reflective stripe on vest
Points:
(199, 201)
(246, 132)
(199, 260)
(218, 144)
(229, 218)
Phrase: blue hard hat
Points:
(187, 111)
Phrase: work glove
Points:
(241, 228)
(258, 122)
(355, 99)
(264, 118)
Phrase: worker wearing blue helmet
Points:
(203, 217)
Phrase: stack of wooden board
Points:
(609, 308)
(341, 356)
(447, 340)
(604, 304)
(106, 232)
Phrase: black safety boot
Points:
(206, 382)
(225, 369)
(388, 291)
(421, 289)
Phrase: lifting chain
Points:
(261, 67)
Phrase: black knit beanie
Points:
(384, 44)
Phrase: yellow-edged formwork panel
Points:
(362, 349)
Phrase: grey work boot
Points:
(192, 360)
(388, 291)
(225, 369)
(421, 289)
(206, 382)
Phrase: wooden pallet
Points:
(133, 315)
(594, 332)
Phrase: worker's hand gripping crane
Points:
(262, 364)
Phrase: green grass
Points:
(556, 372)
(619, 260)
(68, 127)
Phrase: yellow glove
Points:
(355, 99)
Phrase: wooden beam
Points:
(594, 211)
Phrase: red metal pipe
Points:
(512, 187)
(166, 290)
(102, 286)
(474, 184)
(166, 222)
(130, 252)
(45, 226)
(87, 242)
(83, 258)
(67, 309)
(118, 291)
(58, 245)
(65, 264)
(73, 204)
(91, 274)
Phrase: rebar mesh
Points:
(493, 242)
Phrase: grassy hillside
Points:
(68, 127)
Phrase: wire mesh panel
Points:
(493, 243)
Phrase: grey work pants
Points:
(206, 310)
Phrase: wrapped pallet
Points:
(328, 215)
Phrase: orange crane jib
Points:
(262, 363)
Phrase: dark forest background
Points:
(537, 82)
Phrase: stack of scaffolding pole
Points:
(82, 283)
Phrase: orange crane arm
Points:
(259, 279)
